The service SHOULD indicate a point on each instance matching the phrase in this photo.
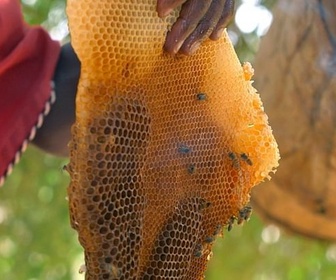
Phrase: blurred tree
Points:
(296, 71)
(36, 241)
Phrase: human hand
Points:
(198, 20)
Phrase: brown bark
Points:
(296, 75)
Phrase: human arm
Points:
(55, 133)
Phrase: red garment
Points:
(28, 59)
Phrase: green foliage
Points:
(258, 252)
(37, 242)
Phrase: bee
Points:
(232, 156)
(230, 223)
(198, 251)
(191, 168)
(204, 204)
(246, 158)
(218, 231)
(201, 251)
(183, 149)
(235, 160)
(210, 239)
(66, 168)
(201, 96)
(244, 214)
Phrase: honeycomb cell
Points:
(175, 245)
(165, 149)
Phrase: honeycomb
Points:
(165, 149)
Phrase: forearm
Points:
(55, 132)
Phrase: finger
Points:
(191, 13)
(224, 19)
(164, 7)
(204, 28)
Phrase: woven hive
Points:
(165, 149)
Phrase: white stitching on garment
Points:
(31, 135)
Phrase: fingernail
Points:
(218, 33)
(178, 46)
(194, 47)
(164, 12)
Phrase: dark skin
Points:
(198, 20)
